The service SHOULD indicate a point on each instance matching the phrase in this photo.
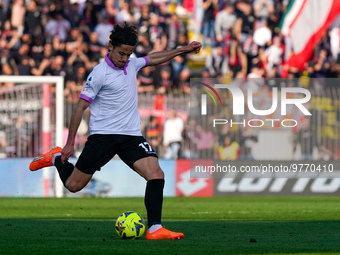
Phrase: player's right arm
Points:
(94, 82)
(76, 117)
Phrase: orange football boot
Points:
(163, 233)
(44, 160)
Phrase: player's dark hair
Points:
(124, 34)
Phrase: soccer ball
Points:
(130, 225)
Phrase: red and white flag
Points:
(334, 35)
(305, 22)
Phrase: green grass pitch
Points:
(219, 225)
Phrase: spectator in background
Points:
(94, 48)
(179, 63)
(57, 67)
(85, 30)
(18, 16)
(3, 144)
(153, 134)
(164, 15)
(143, 46)
(23, 50)
(248, 139)
(38, 49)
(57, 25)
(209, 7)
(322, 65)
(73, 15)
(123, 15)
(165, 83)
(60, 6)
(145, 80)
(175, 28)
(13, 40)
(6, 30)
(206, 75)
(273, 75)
(7, 69)
(198, 18)
(160, 46)
(27, 39)
(335, 68)
(75, 84)
(77, 59)
(255, 81)
(75, 41)
(273, 55)
(216, 62)
(183, 80)
(191, 137)
(156, 32)
(262, 34)
(155, 5)
(90, 15)
(235, 59)
(25, 65)
(45, 61)
(143, 21)
(224, 24)
(58, 47)
(229, 150)
(263, 9)
(172, 136)
(256, 72)
(103, 29)
(205, 143)
(24, 127)
(305, 140)
(111, 9)
(33, 19)
(4, 53)
(325, 44)
(4, 4)
(250, 50)
(245, 20)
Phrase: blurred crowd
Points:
(240, 38)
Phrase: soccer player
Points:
(111, 93)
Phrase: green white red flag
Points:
(305, 22)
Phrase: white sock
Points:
(55, 155)
(154, 228)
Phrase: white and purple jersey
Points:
(112, 92)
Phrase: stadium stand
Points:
(241, 39)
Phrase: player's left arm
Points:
(160, 57)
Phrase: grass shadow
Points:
(46, 236)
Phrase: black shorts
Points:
(100, 149)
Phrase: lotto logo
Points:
(187, 186)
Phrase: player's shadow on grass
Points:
(41, 236)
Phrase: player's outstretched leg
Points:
(53, 158)
(45, 160)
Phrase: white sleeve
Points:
(94, 82)
(139, 63)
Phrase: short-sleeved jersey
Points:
(112, 92)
